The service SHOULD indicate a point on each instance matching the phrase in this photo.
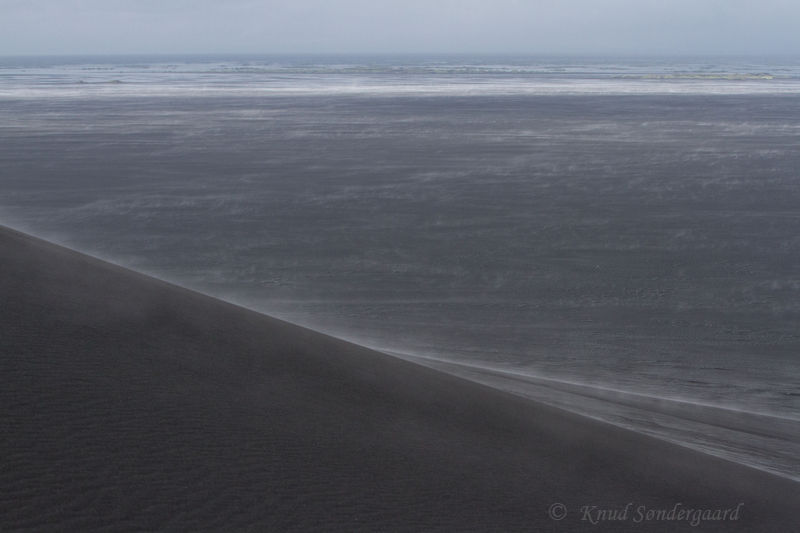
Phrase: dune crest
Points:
(131, 404)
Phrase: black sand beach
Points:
(129, 404)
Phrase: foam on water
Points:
(100, 77)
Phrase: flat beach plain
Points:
(129, 404)
(646, 244)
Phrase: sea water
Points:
(616, 236)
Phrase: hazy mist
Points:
(387, 26)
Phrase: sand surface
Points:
(129, 404)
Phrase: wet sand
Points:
(132, 404)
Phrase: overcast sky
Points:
(345, 26)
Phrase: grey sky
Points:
(521, 26)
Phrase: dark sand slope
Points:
(130, 404)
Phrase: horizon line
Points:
(415, 53)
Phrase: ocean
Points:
(616, 236)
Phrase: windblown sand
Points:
(129, 404)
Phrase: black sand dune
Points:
(129, 404)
